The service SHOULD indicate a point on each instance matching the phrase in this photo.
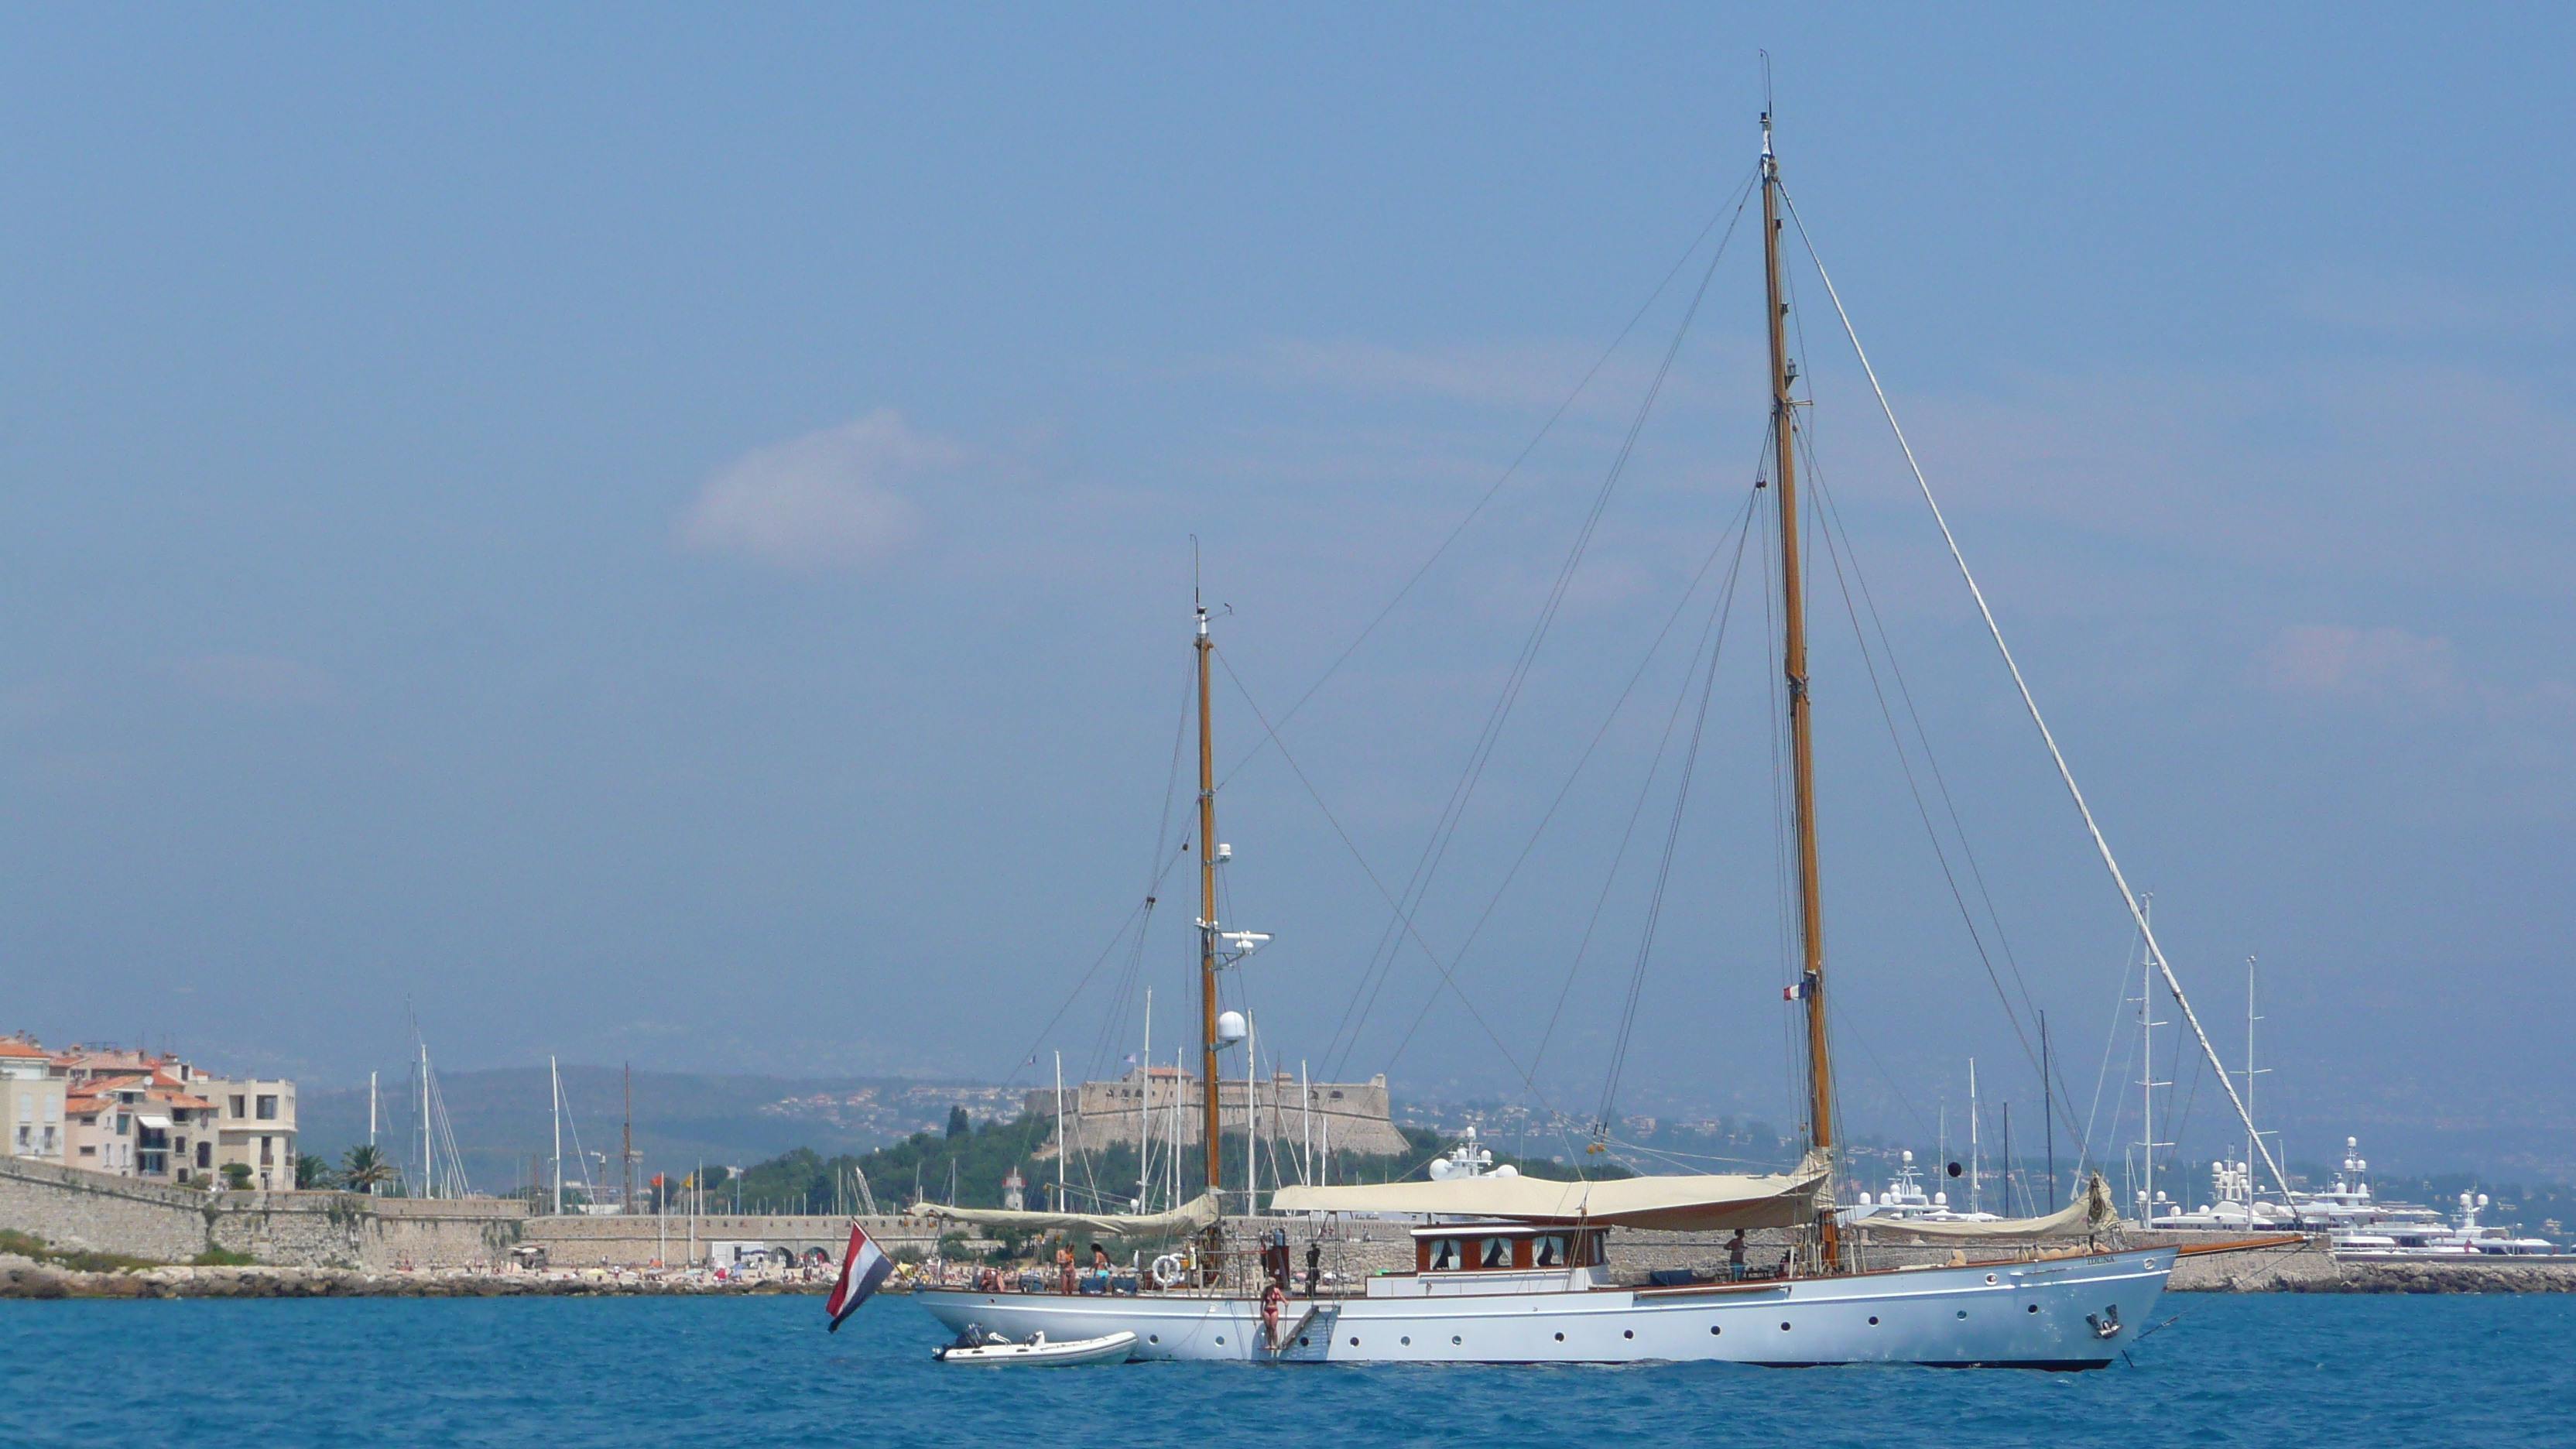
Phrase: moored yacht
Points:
(1514, 1269)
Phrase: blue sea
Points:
(571, 1373)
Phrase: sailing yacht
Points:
(1514, 1269)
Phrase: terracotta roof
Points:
(98, 1086)
(19, 1046)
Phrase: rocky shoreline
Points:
(26, 1278)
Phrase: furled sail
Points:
(2089, 1214)
(1188, 1218)
(1696, 1202)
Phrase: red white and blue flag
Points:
(863, 1267)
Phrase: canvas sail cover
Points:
(2089, 1214)
(1188, 1218)
(1696, 1202)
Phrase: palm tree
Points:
(364, 1167)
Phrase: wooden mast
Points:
(1207, 911)
(1793, 662)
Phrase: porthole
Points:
(1963, 1313)
(1153, 1338)
(1873, 1322)
(1784, 1328)
(1302, 1340)
(1631, 1333)
(1355, 1343)
(1220, 1338)
(1560, 1338)
(1990, 1277)
(1454, 1338)
(1714, 1330)
(1407, 1340)
(2030, 1308)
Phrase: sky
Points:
(667, 533)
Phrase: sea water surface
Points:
(578, 1372)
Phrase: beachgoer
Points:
(1735, 1256)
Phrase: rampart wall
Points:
(74, 1209)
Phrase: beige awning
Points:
(1697, 1202)
(2087, 1215)
(1188, 1218)
(153, 1120)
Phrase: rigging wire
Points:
(1383, 960)
(1725, 614)
(1113, 1021)
(1618, 706)
(1645, 790)
(1135, 915)
(1403, 917)
(1830, 517)
(2119, 1008)
(1741, 193)
(2065, 772)
(1741, 530)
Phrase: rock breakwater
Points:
(27, 1278)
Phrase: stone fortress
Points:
(1344, 1116)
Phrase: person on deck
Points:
(1271, 1298)
(1314, 1267)
(1064, 1268)
(1735, 1256)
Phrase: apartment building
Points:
(253, 1123)
(147, 1127)
(31, 1101)
(144, 1115)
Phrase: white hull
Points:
(2045, 1314)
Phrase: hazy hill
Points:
(501, 1118)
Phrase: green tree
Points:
(237, 1176)
(312, 1172)
(364, 1169)
(958, 1126)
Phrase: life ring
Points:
(1167, 1270)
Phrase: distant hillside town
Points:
(155, 1117)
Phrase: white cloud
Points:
(2333, 659)
(826, 500)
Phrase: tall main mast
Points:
(1207, 909)
(1793, 662)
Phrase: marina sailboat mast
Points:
(1810, 989)
(1207, 911)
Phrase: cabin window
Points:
(1494, 1253)
(1548, 1251)
(1445, 1255)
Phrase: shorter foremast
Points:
(1207, 923)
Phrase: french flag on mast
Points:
(863, 1267)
